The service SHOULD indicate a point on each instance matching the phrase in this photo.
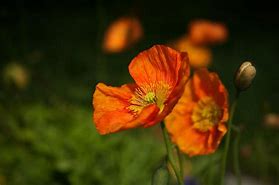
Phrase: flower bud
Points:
(244, 76)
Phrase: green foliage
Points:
(59, 145)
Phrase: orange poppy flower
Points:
(202, 32)
(199, 56)
(160, 74)
(121, 34)
(197, 122)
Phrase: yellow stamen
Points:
(206, 114)
(149, 94)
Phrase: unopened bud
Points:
(244, 76)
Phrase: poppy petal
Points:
(193, 142)
(180, 118)
(110, 107)
(159, 64)
(111, 113)
(216, 135)
(208, 84)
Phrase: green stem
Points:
(227, 141)
(170, 154)
(236, 158)
(180, 162)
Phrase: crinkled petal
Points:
(111, 113)
(159, 64)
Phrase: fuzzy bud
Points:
(244, 76)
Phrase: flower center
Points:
(150, 97)
(149, 94)
(206, 114)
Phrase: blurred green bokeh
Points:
(46, 130)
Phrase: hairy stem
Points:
(171, 158)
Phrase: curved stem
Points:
(170, 154)
(227, 141)
(236, 158)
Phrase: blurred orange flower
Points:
(271, 120)
(197, 122)
(160, 75)
(121, 34)
(202, 32)
(198, 56)
(16, 74)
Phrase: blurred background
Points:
(52, 54)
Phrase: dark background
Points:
(46, 132)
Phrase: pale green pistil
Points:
(150, 97)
